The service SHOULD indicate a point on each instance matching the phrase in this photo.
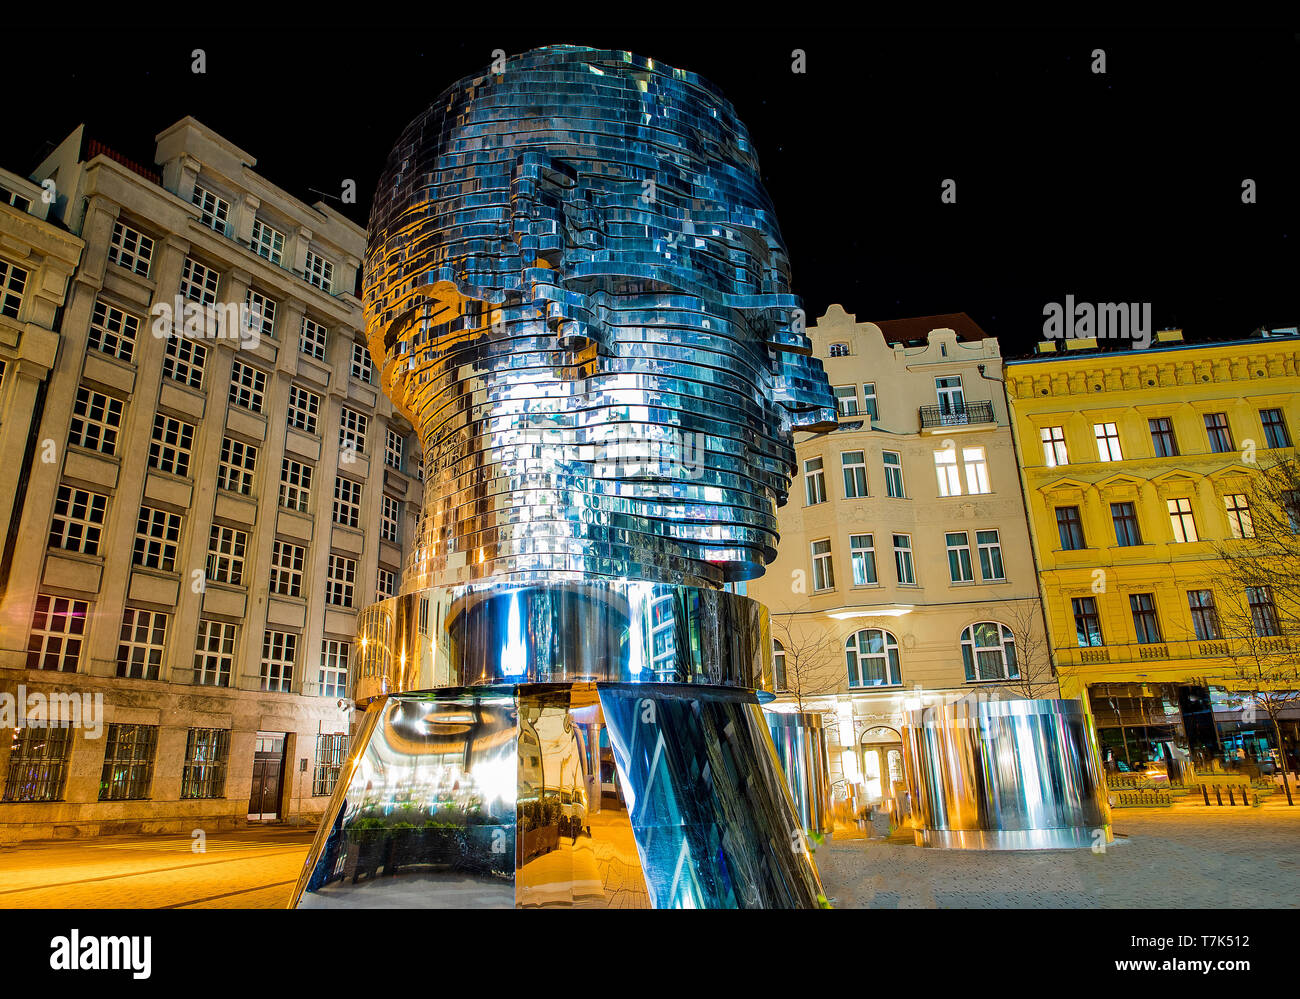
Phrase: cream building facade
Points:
(196, 510)
(904, 575)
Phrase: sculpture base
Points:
(591, 795)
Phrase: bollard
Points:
(1206, 795)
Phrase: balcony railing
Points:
(967, 414)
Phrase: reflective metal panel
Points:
(1011, 775)
(800, 740)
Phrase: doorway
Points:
(268, 777)
(882, 764)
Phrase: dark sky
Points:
(1122, 187)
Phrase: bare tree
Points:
(812, 654)
(1033, 650)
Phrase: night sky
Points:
(1122, 187)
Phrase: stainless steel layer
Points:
(800, 741)
(1016, 774)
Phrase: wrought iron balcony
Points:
(967, 414)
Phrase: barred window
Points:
(352, 430)
(226, 555)
(268, 242)
(96, 419)
(261, 311)
(173, 440)
(385, 584)
(311, 339)
(13, 282)
(236, 466)
(347, 502)
(334, 668)
(295, 485)
(130, 248)
(362, 367)
(157, 535)
(331, 751)
(304, 407)
(183, 360)
(58, 630)
(213, 210)
(206, 754)
(279, 653)
(287, 563)
(319, 272)
(199, 282)
(214, 653)
(390, 520)
(112, 331)
(393, 449)
(141, 644)
(129, 752)
(78, 521)
(340, 582)
(38, 763)
(247, 386)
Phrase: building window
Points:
(903, 567)
(331, 751)
(823, 569)
(1263, 612)
(78, 521)
(393, 449)
(862, 558)
(893, 462)
(869, 404)
(952, 403)
(1218, 432)
(96, 420)
(334, 668)
(183, 361)
(347, 502)
(846, 400)
(311, 339)
(129, 752)
(990, 546)
(236, 466)
(363, 369)
(988, 651)
(1162, 437)
(247, 387)
(287, 563)
(13, 282)
(960, 569)
(1145, 623)
(38, 763)
(304, 407)
(854, 465)
(58, 629)
(141, 644)
(1107, 442)
(226, 555)
(1069, 526)
(198, 282)
(839, 350)
(390, 519)
(319, 272)
(1054, 452)
(279, 653)
(977, 470)
(1181, 521)
(171, 444)
(1275, 431)
(1240, 522)
(1087, 623)
(130, 249)
(206, 754)
(1124, 517)
(778, 665)
(352, 430)
(872, 659)
(1205, 616)
(385, 584)
(157, 535)
(214, 653)
(268, 242)
(945, 467)
(295, 485)
(814, 481)
(340, 581)
(112, 331)
(213, 211)
(261, 313)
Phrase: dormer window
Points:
(839, 350)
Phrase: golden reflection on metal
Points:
(800, 740)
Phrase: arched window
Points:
(778, 664)
(839, 350)
(872, 657)
(988, 650)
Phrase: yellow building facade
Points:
(1136, 466)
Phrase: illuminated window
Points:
(988, 652)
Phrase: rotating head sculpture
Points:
(578, 294)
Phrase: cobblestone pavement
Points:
(1178, 858)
